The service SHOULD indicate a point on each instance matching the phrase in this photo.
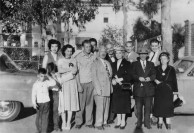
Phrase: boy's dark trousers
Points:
(54, 115)
(42, 117)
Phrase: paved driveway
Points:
(25, 124)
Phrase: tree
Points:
(111, 35)
(41, 12)
(142, 30)
(178, 39)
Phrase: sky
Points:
(181, 10)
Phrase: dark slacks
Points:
(42, 117)
(86, 99)
(54, 104)
(145, 102)
(111, 114)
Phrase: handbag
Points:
(178, 102)
(126, 86)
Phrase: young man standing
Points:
(154, 54)
(86, 96)
(130, 55)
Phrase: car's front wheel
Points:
(9, 110)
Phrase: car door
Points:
(186, 91)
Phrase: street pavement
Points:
(25, 123)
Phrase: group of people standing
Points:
(100, 76)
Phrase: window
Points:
(183, 66)
(191, 73)
(105, 19)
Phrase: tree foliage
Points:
(144, 30)
(111, 35)
(43, 11)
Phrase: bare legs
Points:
(66, 124)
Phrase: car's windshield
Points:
(6, 64)
(183, 66)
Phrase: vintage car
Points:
(185, 77)
(15, 88)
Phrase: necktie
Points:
(144, 66)
(107, 70)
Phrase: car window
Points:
(191, 73)
(6, 64)
(183, 66)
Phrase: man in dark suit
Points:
(143, 91)
(110, 57)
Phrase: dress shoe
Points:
(110, 122)
(90, 126)
(168, 126)
(148, 126)
(99, 127)
(57, 130)
(159, 126)
(138, 127)
(123, 127)
(117, 126)
(78, 126)
(106, 125)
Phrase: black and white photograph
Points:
(90, 66)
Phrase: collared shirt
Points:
(40, 93)
(112, 58)
(84, 66)
(143, 64)
(119, 63)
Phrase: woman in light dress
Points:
(68, 97)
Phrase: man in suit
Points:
(156, 50)
(101, 79)
(130, 54)
(143, 74)
(110, 57)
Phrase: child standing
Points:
(41, 100)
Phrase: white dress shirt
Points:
(119, 63)
(40, 93)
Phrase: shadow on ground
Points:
(26, 112)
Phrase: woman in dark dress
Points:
(165, 90)
(121, 102)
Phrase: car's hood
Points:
(19, 72)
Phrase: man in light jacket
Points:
(101, 79)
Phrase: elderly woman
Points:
(166, 86)
(121, 101)
(68, 97)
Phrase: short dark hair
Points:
(64, 48)
(85, 41)
(164, 54)
(130, 42)
(93, 40)
(41, 71)
(51, 67)
(53, 41)
(154, 40)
